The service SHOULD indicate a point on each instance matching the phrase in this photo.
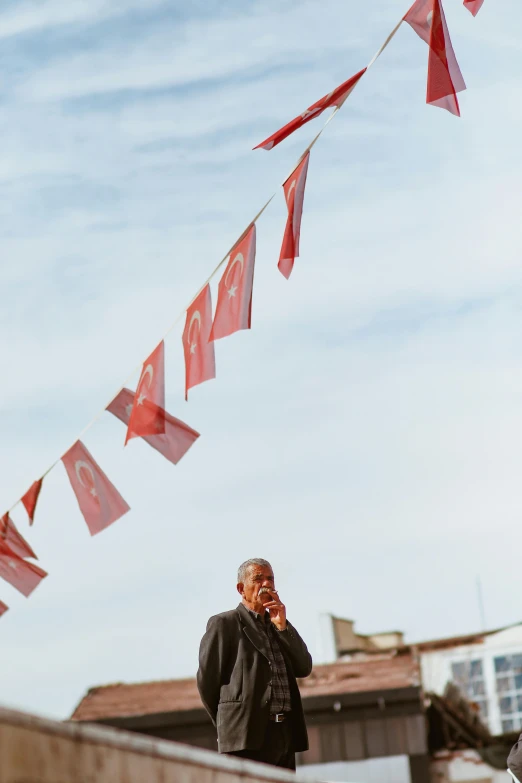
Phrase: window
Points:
(469, 676)
(508, 671)
(503, 684)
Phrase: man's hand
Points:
(277, 610)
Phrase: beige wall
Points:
(347, 639)
(388, 640)
(33, 750)
(464, 766)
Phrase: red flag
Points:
(335, 98)
(30, 499)
(294, 189)
(148, 412)
(19, 573)
(3, 608)
(445, 80)
(173, 444)
(474, 6)
(200, 361)
(16, 543)
(234, 304)
(100, 502)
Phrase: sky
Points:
(366, 435)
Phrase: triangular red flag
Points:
(3, 608)
(294, 189)
(23, 576)
(148, 412)
(473, 5)
(200, 361)
(173, 444)
(100, 502)
(445, 80)
(335, 98)
(30, 499)
(234, 304)
(16, 543)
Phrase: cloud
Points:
(29, 17)
(367, 427)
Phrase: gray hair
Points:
(243, 568)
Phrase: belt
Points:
(280, 717)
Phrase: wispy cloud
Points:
(38, 17)
(370, 422)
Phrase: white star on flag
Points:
(193, 347)
(150, 390)
(234, 305)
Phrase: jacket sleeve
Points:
(297, 651)
(514, 761)
(212, 654)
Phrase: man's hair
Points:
(242, 571)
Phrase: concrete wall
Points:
(394, 769)
(464, 766)
(34, 750)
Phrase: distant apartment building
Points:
(487, 666)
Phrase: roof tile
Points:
(383, 672)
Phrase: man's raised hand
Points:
(277, 610)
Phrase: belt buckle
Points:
(279, 718)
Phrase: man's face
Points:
(258, 580)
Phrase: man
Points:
(249, 660)
(514, 761)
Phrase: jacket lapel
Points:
(252, 631)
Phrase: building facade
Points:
(368, 719)
(487, 667)
(488, 670)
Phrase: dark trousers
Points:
(277, 748)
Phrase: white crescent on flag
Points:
(237, 260)
(292, 186)
(78, 468)
(310, 113)
(429, 18)
(147, 375)
(196, 316)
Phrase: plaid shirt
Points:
(281, 699)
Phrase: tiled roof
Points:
(453, 641)
(383, 672)
(378, 673)
(143, 698)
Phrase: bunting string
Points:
(426, 17)
(214, 272)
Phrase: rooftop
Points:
(348, 642)
(455, 641)
(379, 673)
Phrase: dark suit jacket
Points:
(514, 761)
(234, 679)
